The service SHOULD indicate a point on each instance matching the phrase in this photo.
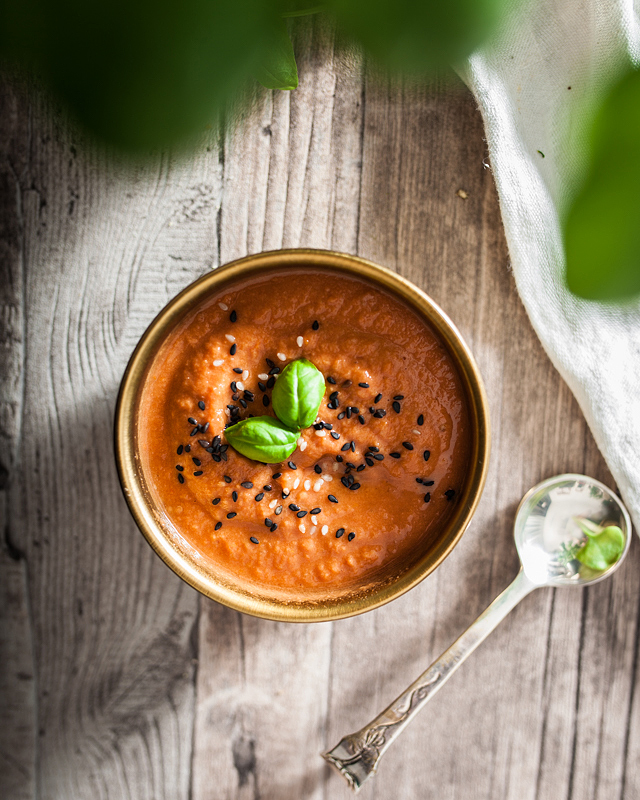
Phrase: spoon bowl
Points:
(547, 538)
(547, 534)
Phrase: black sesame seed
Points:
(428, 483)
(234, 348)
(331, 380)
(179, 467)
(361, 419)
(301, 514)
(192, 421)
(235, 396)
(234, 496)
(203, 443)
(234, 387)
(398, 397)
(223, 456)
(341, 415)
(421, 419)
(198, 473)
(418, 480)
(396, 406)
(339, 458)
(328, 426)
(317, 469)
(332, 405)
(339, 532)
(233, 316)
(268, 522)
(224, 448)
(276, 475)
(204, 428)
(254, 540)
(187, 448)
(346, 446)
(315, 325)
(349, 464)
(347, 383)
(215, 501)
(291, 465)
(181, 477)
(278, 511)
(407, 445)
(378, 457)
(364, 385)
(351, 536)
(427, 497)
(217, 458)
(259, 496)
(196, 461)
(334, 395)
(246, 485)
(238, 370)
(294, 507)
(377, 398)
(270, 362)
(265, 400)
(227, 479)
(450, 494)
(316, 510)
(332, 498)
(274, 525)
(335, 435)
(243, 402)
(374, 449)
(354, 486)
(369, 461)
(353, 447)
(380, 413)
(394, 455)
(344, 481)
(218, 526)
(179, 450)
(231, 515)
(201, 405)
(267, 487)
(195, 430)
(426, 455)
(271, 382)
(348, 412)
(274, 371)
(361, 467)
(250, 396)
(262, 386)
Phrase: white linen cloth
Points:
(521, 81)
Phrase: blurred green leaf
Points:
(418, 35)
(278, 69)
(602, 227)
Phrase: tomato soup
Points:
(373, 479)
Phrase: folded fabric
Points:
(534, 83)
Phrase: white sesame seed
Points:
(336, 467)
(327, 478)
(218, 362)
(321, 432)
(307, 485)
(263, 376)
(301, 528)
(223, 306)
(229, 337)
(296, 483)
(300, 341)
(273, 504)
(282, 357)
(245, 375)
(318, 485)
(314, 519)
(415, 431)
(325, 530)
(227, 412)
(240, 386)
(286, 493)
(313, 530)
(302, 445)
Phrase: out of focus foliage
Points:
(602, 228)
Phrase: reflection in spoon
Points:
(547, 537)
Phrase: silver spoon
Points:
(547, 537)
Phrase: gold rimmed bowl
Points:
(177, 553)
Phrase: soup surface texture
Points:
(375, 477)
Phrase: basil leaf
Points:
(263, 439)
(278, 69)
(603, 548)
(298, 392)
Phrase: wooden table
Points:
(119, 681)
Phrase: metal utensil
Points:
(547, 537)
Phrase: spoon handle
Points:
(357, 755)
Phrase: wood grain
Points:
(119, 682)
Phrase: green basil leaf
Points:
(603, 548)
(263, 439)
(298, 393)
(278, 69)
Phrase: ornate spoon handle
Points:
(357, 755)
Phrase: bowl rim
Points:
(130, 470)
